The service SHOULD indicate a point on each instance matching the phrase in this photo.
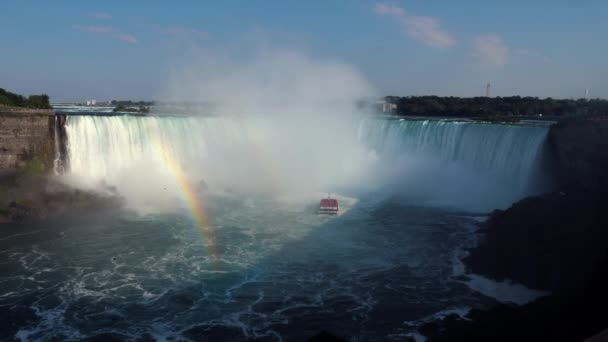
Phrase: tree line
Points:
(129, 103)
(495, 106)
(15, 100)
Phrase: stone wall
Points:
(23, 110)
(26, 141)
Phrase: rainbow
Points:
(191, 198)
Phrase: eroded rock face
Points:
(552, 241)
(32, 197)
(25, 137)
(557, 241)
(581, 150)
(548, 242)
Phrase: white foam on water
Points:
(417, 337)
(477, 218)
(461, 312)
(504, 291)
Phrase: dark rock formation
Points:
(581, 150)
(551, 241)
(569, 315)
(601, 337)
(62, 142)
(546, 242)
(30, 142)
(557, 241)
(31, 197)
(325, 336)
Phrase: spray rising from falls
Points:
(253, 155)
(458, 163)
(461, 164)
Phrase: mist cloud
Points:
(267, 81)
(289, 119)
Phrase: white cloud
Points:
(127, 37)
(94, 29)
(108, 31)
(102, 15)
(423, 29)
(490, 49)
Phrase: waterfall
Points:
(57, 167)
(497, 163)
(260, 155)
(508, 151)
(481, 166)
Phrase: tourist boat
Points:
(329, 206)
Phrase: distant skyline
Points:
(103, 50)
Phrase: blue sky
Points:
(74, 50)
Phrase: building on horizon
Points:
(385, 107)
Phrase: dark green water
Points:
(271, 269)
(282, 272)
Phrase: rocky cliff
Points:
(26, 140)
(581, 150)
(557, 242)
(552, 241)
(28, 188)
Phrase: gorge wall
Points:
(580, 148)
(557, 242)
(26, 140)
(554, 241)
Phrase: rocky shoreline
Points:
(27, 197)
(556, 242)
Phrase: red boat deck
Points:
(328, 206)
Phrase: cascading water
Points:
(57, 167)
(461, 164)
(262, 267)
(466, 165)
(244, 154)
(508, 151)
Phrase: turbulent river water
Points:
(267, 267)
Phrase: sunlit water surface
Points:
(266, 269)
(271, 270)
